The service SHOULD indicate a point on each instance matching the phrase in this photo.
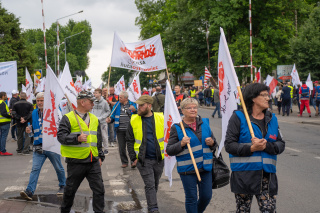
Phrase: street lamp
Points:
(58, 41)
(65, 43)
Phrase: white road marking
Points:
(120, 192)
(14, 188)
(116, 182)
(291, 149)
(317, 158)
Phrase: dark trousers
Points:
(13, 129)
(76, 173)
(217, 109)
(151, 173)
(23, 141)
(122, 144)
(279, 103)
(286, 106)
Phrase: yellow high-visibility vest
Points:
(212, 91)
(136, 123)
(4, 119)
(291, 92)
(193, 93)
(83, 150)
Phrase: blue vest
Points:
(258, 160)
(318, 91)
(305, 90)
(201, 151)
(116, 114)
(36, 127)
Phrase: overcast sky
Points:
(105, 17)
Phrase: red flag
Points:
(207, 76)
(258, 76)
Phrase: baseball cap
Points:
(14, 92)
(85, 94)
(144, 99)
(316, 82)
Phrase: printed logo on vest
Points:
(274, 137)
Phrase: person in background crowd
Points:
(178, 96)
(217, 102)
(207, 95)
(277, 89)
(158, 101)
(5, 120)
(153, 91)
(105, 93)
(40, 155)
(15, 98)
(112, 100)
(298, 97)
(200, 137)
(279, 99)
(145, 91)
(286, 99)
(200, 96)
(102, 111)
(291, 95)
(192, 92)
(304, 97)
(22, 113)
(316, 99)
(163, 90)
(123, 110)
(212, 95)
(253, 160)
(145, 141)
(83, 152)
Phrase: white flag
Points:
(295, 77)
(101, 85)
(41, 86)
(29, 87)
(78, 84)
(23, 88)
(228, 83)
(120, 86)
(67, 85)
(309, 82)
(134, 90)
(51, 113)
(36, 81)
(144, 56)
(171, 116)
(87, 85)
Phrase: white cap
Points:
(14, 92)
(144, 88)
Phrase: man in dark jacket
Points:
(146, 147)
(286, 99)
(22, 113)
(5, 119)
(158, 100)
(15, 98)
(207, 95)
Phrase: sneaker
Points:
(5, 153)
(26, 153)
(14, 139)
(105, 152)
(26, 195)
(124, 165)
(112, 144)
(19, 153)
(61, 190)
(310, 115)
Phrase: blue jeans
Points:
(4, 130)
(38, 161)
(208, 101)
(190, 183)
(217, 109)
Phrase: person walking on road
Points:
(203, 144)
(304, 97)
(40, 155)
(216, 98)
(253, 160)
(5, 120)
(317, 97)
(158, 101)
(101, 110)
(279, 99)
(121, 116)
(146, 147)
(179, 97)
(286, 100)
(83, 151)
(14, 99)
(291, 94)
(112, 100)
(207, 95)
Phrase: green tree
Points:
(116, 74)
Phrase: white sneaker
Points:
(112, 144)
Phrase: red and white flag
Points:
(29, 87)
(120, 86)
(144, 56)
(51, 113)
(134, 90)
(23, 88)
(207, 76)
(228, 83)
(36, 81)
(68, 86)
(295, 77)
(78, 84)
(271, 82)
(171, 116)
(258, 76)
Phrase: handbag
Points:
(220, 172)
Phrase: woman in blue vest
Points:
(203, 143)
(253, 160)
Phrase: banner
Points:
(68, 87)
(144, 56)
(295, 77)
(51, 113)
(258, 76)
(29, 87)
(309, 82)
(8, 77)
(120, 86)
(228, 83)
(207, 76)
(134, 90)
(171, 116)
(78, 84)
(271, 82)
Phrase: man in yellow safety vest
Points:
(291, 94)
(5, 120)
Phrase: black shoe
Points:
(291, 110)
(282, 114)
(105, 152)
(212, 116)
(61, 190)
(26, 195)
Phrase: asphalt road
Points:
(298, 175)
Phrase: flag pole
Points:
(188, 145)
(74, 112)
(109, 78)
(113, 109)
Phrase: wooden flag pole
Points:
(188, 145)
(109, 79)
(74, 112)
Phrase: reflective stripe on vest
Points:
(258, 160)
(136, 124)
(82, 150)
(192, 93)
(4, 119)
(36, 127)
(201, 151)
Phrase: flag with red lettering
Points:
(258, 76)
(207, 76)
(68, 87)
(271, 82)
(51, 113)
(120, 86)
(144, 56)
(36, 81)
(228, 83)
(29, 87)
(41, 86)
(78, 84)
(134, 90)
(171, 116)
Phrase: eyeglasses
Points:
(191, 108)
(265, 95)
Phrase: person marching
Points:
(83, 151)
(179, 97)
(146, 147)
(317, 97)
(5, 120)
(40, 155)
(304, 97)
